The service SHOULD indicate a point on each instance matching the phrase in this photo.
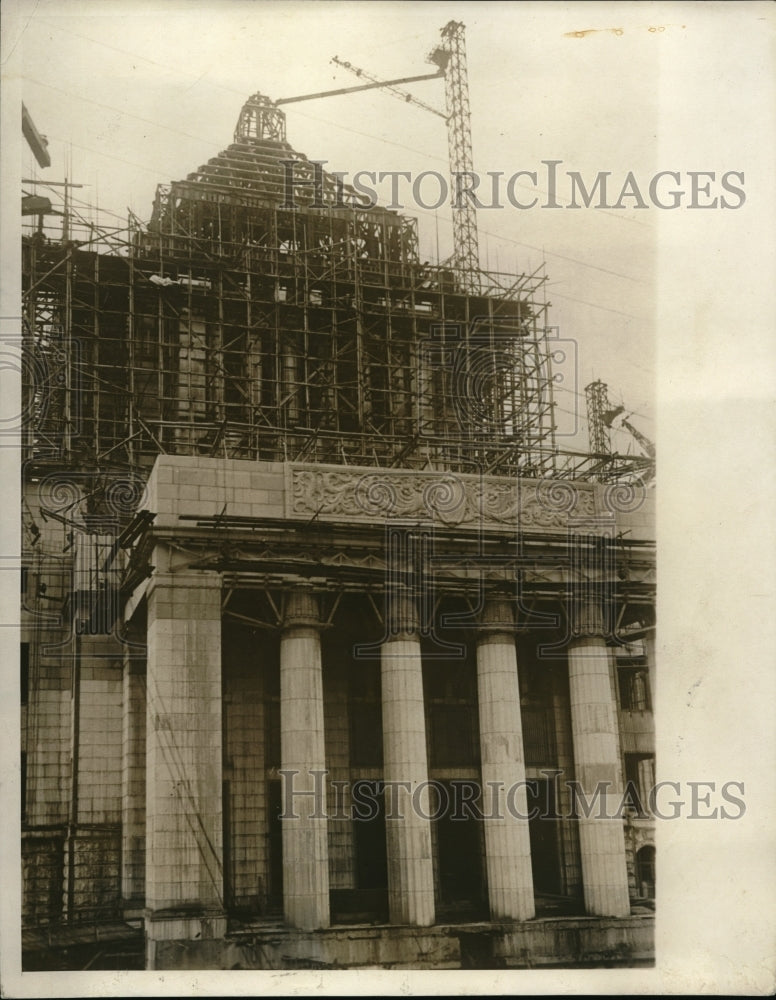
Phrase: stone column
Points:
(133, 778)
(507, 840)
(302, 753)
(408, 828)
(184, 823)
(597, 767)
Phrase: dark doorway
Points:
(367, 902)
(459, 834)
(369, 836)
(543, 831)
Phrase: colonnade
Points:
(184, 850)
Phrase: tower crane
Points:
(449, 56)
(601, 417)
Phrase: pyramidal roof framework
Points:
(256, 167)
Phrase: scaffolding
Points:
(265, 313)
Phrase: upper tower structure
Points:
(266, 312)
(259, 119)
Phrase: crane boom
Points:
(450, 59)
(353, 90)
(642, 439)
(403, 95)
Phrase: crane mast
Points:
(598, 405)
(451, 57)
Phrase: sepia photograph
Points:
(358, 638)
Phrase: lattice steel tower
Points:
(597, 396)
(451, 57)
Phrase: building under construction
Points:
(327, 648)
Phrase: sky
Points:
(131, 94)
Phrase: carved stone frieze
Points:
(443, 498)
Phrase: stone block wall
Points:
(100, 731)
(185, 486)
(337, 734)
(246, 806)
(571, 865)
(43, 861)
(133, 779)
(92, 874)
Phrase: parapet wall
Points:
(190, 487)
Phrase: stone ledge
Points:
(562, 942)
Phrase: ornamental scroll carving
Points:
(440, 497)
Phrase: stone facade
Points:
(447, 636)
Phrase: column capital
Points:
(301, 609)
(401, 614)
(496, 619)
(586, 621)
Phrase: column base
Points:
(163, 927)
